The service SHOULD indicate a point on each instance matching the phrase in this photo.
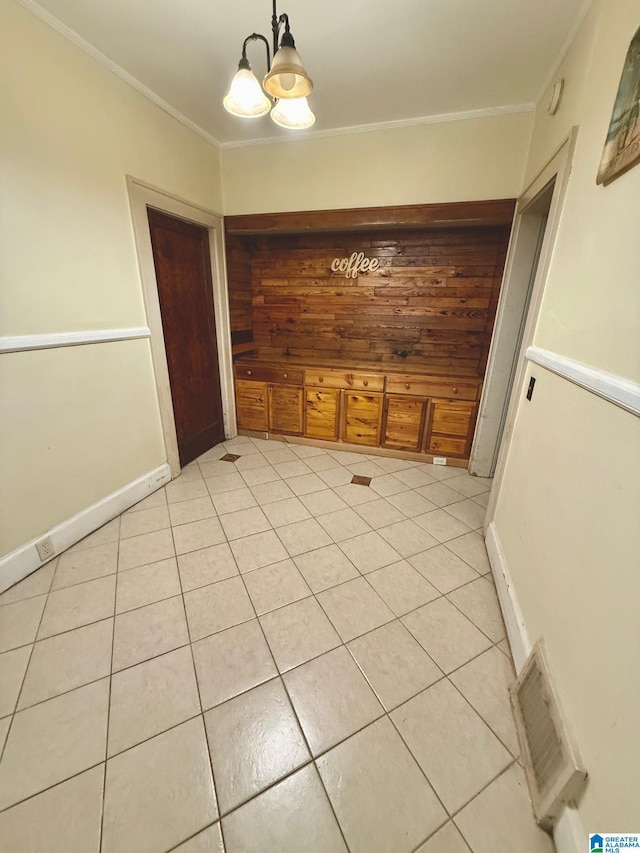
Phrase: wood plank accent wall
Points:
(239, 277)
(431, 304)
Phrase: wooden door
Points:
(403, 422)
(450, 427)
(251, 404)
(321, 412)
(183, 272)
(362, 418)
(285, 409)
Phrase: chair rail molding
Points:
(53, 340)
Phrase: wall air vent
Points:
(551, 761)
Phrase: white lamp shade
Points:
(245, 97)
(287, 78)
(293, 113)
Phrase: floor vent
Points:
(551, 761)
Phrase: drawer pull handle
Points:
(456, 391)
(249, 372)
(407, 385)
(365, 382)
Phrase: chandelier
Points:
(285, 87)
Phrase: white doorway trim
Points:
(558, 169)
(141, 196)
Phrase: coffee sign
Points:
(357, 263)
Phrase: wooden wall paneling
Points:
(238, 255)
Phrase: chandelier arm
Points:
(257, 37)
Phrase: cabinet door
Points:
(403, 423)
(251, 405)
(285, 409)
(362, 418)
(450, 428)
(321, 410)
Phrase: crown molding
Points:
(83, 44)
(566, 44)
(464, 115)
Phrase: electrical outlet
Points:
(45, 549)
(439, 460)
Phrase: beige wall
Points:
(72, 429)
(465, 160)
(569, 501)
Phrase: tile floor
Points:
(263, 657)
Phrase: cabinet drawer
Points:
(262, 373)
(463, 389)
(442, 445)
(344, 379)
(452, 418)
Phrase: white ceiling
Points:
(371, 62)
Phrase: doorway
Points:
(185, 291)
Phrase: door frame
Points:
(141, 196)
(558, 168)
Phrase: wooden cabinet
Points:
(321, 413)
(362, 420)
(403, 422)
(450, 427)
(285, 409)
(251, 405)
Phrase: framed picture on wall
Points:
(622, 146)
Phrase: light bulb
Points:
(245, 97)
(293, 114)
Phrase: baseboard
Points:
(24, 560)
(568, 833)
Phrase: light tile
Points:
(191, 472)
(306, 452)
(414, 477)
(344, 524)
(208, 565)
(260, 476)
(502, 813)
(185, 490)
(233, 501)
(232, 661)
(149, 631)
(446, 840)
(227, 482)
(321, 462)
(305, 484)
(150, 698)
(296, 468)
(209, 841)
(197, 535)
(483, 499)
(4, 731)
(217, 468)
(67, 661)
(354, 495)
(266, 493)
(298, 632)
(472, 550)
(65, 818)
(78, 605)
(443, 569)
(320, 503)
(275, 585)
(367, 469)
(254, 741)
(411, 503)
(485, 683)
(369, 552)
(251, 461)
(53, 741)
(402, 587)
(148, 548)
(390, 465)
(303, 536)
(470, 486)
(261, 549)
(335, 476)
(380, 796)
(158, 498)
(13, 666)
(286, 512)
(468, 512)
(193, 510)
(144, 521)
(388, 485)
(479, 602)
(213, 454)
(277, 820)
(216, 607)
(408, 538)
(37, 583)
(332, 699)
(394, 663)
(379, 513)
(159, 793)
(445, 634)
(354, 608)
(147, 584)
(276, 455)
(78, 566)
(442, 472)
(346, 457)
(109, 532)
(441, 525)
(245, 522)
(440, 494)
(457, 751)
(326, 567)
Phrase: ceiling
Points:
(371, 62)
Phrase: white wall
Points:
(465, 160)
(76, 423)
(569, 500)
